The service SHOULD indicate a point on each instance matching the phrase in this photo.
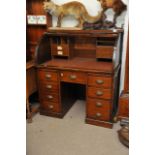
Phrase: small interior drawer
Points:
(61, 51)
(73, 77)
(46, 75)
(100, 81)
(105, 52)
(99, 93)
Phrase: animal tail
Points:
(91, 19)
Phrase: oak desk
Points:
(80, 64)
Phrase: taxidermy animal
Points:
(117, 5)
(74, 8)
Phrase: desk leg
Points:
(28, 111)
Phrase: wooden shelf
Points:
(74, 31)
(36, 24)
(84, 48)
(33, 42)
(35, 31)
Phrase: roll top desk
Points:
(83, 64)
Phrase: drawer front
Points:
(51, 106)
(124, 111)
(50, 97)
(104, 52)
(99, 93)
(45, 75)
(124, 107)
(97, 80)
(98, 109)
(73, 77)
(48, 86)
(61, 51)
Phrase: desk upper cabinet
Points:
(84, 62)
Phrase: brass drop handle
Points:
(99, 93)
(98, 114)
(48, 76)
(49, 86)
(49, 96)
(98, 104)
(51, 106)
(99, 81)
(73, 77)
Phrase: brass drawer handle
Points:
(49, 96)
(73, 77)
(51, 106)
(60, 52)
(98, 114)
(99, 81)
(49, 86)
(99, 93)
(98, 104)
(59, 47)
(48, 76)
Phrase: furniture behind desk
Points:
(83, 64)
(31, 87)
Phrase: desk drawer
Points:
(51, 97)
(73, 77)
(48, 86)
(99, 93)
(46, 75)
(51, 106)
(101, 81)
(98, 109)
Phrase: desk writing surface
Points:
(82, 64)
